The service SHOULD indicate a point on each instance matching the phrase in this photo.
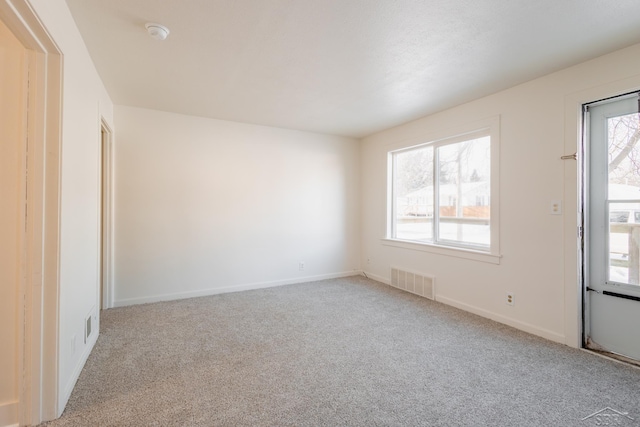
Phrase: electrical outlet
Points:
(556, 207)
(511, 298)
(301, 265)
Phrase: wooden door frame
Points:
(39, 290)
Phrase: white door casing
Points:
(38, 295)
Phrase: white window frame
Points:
(488, 127)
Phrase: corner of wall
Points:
(67, 389)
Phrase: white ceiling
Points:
(344, 67)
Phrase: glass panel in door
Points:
(623, 199)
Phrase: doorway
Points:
(106, 159)
(612, 226)
(30, 393)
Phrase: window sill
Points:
(444, 250)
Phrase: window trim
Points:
(453, 251)
(487, 127)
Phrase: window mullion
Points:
(394, 202)
(436, 195)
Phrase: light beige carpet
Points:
(344, 352)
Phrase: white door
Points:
(612, 220)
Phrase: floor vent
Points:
(416, 283)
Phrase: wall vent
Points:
(87, 329)
(416, 283)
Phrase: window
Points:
(443, 194)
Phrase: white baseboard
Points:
(377, 278)
(523, 326)
(9, 414)
(64, 396)
(228, 289)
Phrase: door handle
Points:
(617, 295)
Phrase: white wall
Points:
(539, 263)
(206, 206)
(84, 101)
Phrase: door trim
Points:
(106, 179)
(38, 337)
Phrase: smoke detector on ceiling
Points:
(157, 31)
